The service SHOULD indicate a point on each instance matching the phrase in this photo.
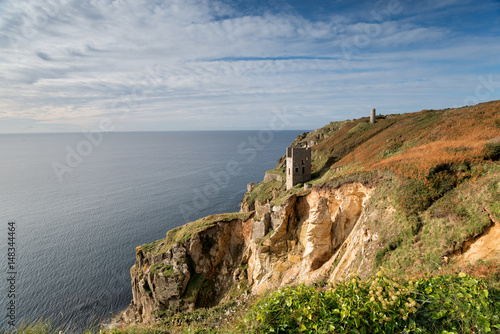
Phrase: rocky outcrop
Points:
(306, 234)
(270, 176)
(184, 275)
(311, 237)
(250, 186)
(485, 246)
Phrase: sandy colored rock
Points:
(319, 235)
(485, 247)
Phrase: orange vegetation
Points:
(410, 144)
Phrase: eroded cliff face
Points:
(196, 273)
(306, 235)
(316, 236)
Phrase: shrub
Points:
(417, 195)
(461, 304)
(493, 149)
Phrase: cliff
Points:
(299, 241)
(413, 192)
(194, 266)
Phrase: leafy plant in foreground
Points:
(456, 304)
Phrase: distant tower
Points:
(372, 116)
(298, 165)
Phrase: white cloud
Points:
(72, 62)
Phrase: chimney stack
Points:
(372, 116)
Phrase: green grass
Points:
(264, 192)
(194, 286)
(164, 269)
(282, 196)
(48, 327)
(360, 127)
(278, 171)
(184, 233)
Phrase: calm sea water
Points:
(76, 233)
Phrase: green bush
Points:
(458, 304)
(493, 149)
(417, 195)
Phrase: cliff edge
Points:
(413, 192)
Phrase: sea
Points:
(74, 206)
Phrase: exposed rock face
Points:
(250, 186)
(307, 233)
(317, 236)
(196, 273)
(268, 177)
(158, 280)
(484, 247)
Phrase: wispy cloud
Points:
(65, 64)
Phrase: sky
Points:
(162, 65)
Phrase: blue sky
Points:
(153, 65)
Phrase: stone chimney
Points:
(372, 116)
